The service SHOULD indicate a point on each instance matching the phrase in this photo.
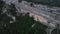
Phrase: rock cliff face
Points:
(40, 12)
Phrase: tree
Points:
(55, 31)
(12, 9)
(19, 0)
(23, 25)
(31, 5)
(38, 29)
(2, 3)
